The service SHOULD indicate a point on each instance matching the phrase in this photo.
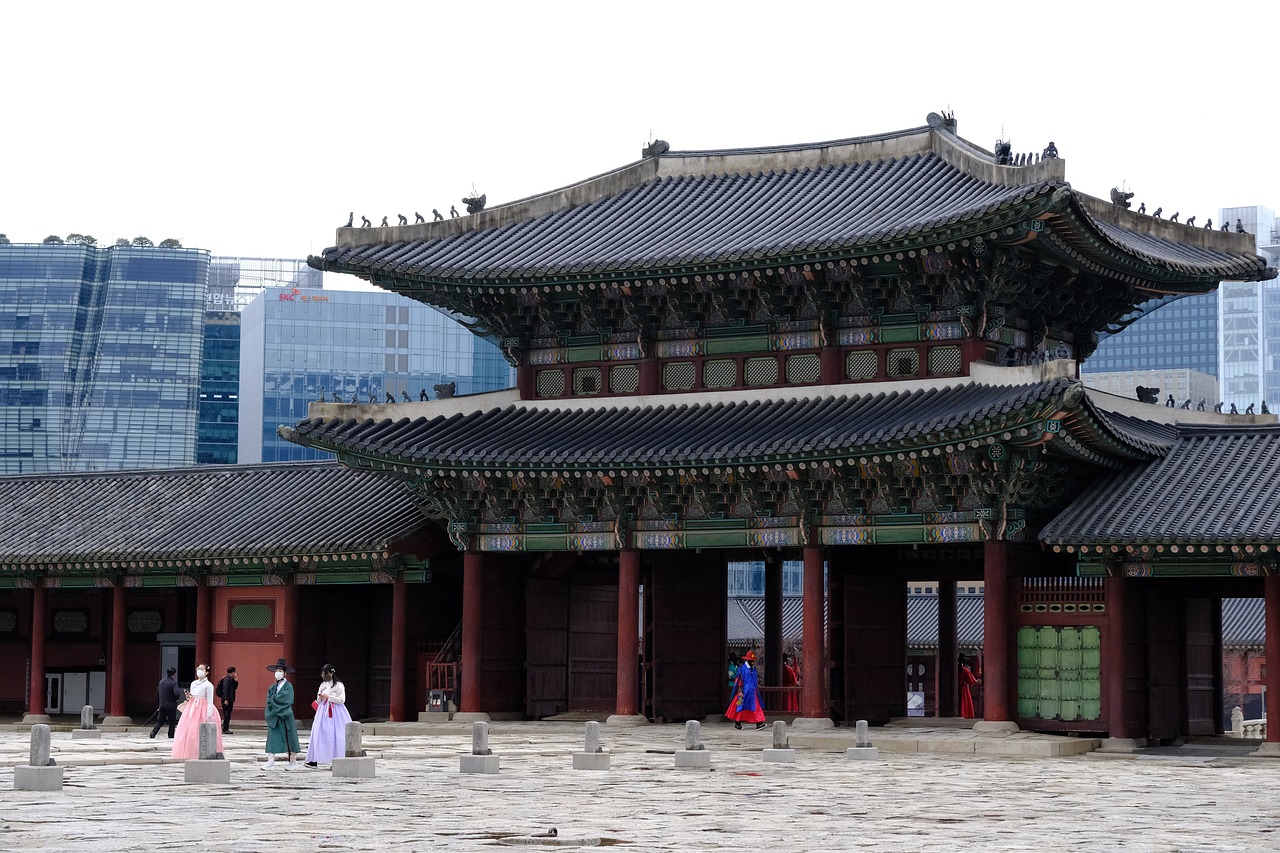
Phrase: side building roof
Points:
(172, 518)
(1216, 486)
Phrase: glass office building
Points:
(1171, 333)
(298, 346)
(234, 282)
(100, 351)
(217, 432)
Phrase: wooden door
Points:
(547, 643)
(687, 643)
(1166, 698)
(1202, 674)
(875, 647)
(593, 647)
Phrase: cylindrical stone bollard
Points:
(692, 735)
(354, 740)
(780, 735)
(862, 738)
(41, 748)
(208, 741)
(592, 744)
(480, 739)
(86, 717)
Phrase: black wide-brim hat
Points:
(281, 665)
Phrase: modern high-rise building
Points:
(233, 284)
(298, 346)
(100, 352)
(1232, 334)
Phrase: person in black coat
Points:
(169, 694)
(226, 692)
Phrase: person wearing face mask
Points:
(282, 728)
(200, 708)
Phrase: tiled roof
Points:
(675, 434)
(1244, 622)
(201, 512)
(1215, 485)
(698, 219)
(755, 205)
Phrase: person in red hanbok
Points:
(745, 705)
(966, 679)
(791, 678)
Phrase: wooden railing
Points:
(775, 700)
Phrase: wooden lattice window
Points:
(8, 621)
(250, 616)
(762, 371)
(803, 369)
(720, 373)
(861, 364)
(903, 362)
(944, 361)
(550, 383)
(145, 621)
(678, 375)
(624, 379)
(586, 380)
(71, 621)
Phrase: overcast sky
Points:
(253, 129)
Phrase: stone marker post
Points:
(592, 756)
(694, 755)
(41, 773)
(211, 768)
(481, 759)
(355, 763)
(863, 751)
(781, 753)
(87, 728)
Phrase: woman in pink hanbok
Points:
(200, 708)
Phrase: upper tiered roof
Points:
(686, 212)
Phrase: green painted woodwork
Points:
(574, 355)
(1168, 569)
(899, 535)
(725, 346)
(1059, 672)
(716, 538)
(899, 334)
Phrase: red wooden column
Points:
(119, 633)
(815, 647)
(289, 623)
(995, 626)
(39, 621)
(773, 620)
(628, 632)
(399, 609)
(948, 653)
(472, 629)
(204, 628)
(1271, 602)
(1114, 588)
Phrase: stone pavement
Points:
(928, 792)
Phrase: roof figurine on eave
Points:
(681, 213)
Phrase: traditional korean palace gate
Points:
(846, 353)
(860, 354)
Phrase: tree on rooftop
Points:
(4, 239)
(121, 241)
(82, 239)
(142, 241)
(52, 239)
(170, 243)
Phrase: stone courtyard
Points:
(932, 789)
